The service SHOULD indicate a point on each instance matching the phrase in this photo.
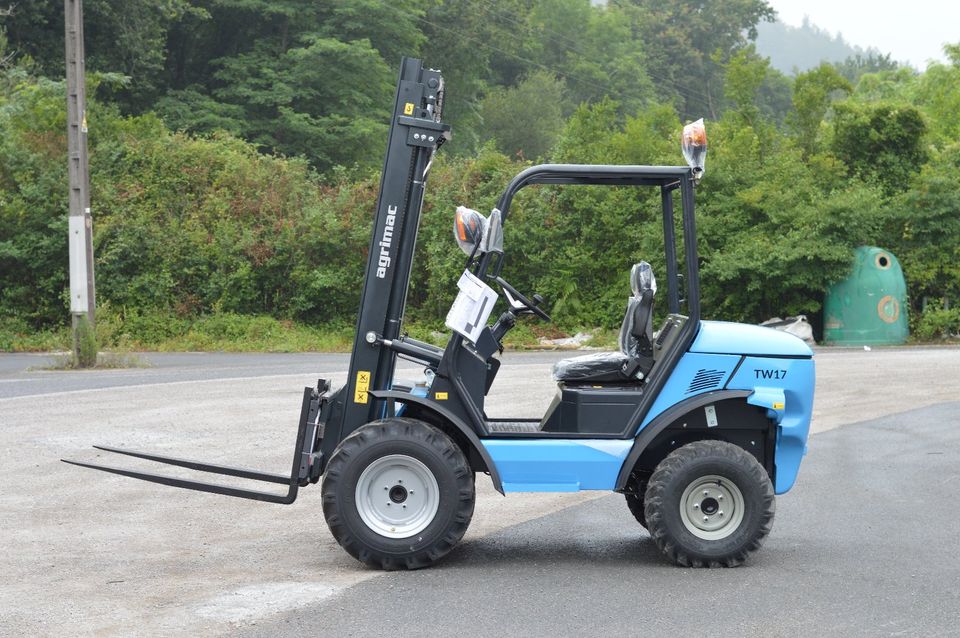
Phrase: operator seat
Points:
(635, 358)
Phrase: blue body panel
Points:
(722, 337)
(775, 367)
(714, 369)
(789, 401)
(558, 465)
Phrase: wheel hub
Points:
(712, 507)
(397, 496)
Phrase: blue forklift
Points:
(698, 424)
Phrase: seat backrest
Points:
(636, 331)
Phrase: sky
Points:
(911, 31)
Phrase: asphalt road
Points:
(31, 374)
(864, 545)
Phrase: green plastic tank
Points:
(869, 307)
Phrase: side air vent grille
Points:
(705, 380)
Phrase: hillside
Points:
(793, 49)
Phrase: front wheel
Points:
(709, 504)
(398, 494)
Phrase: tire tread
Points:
(399, 428)
(671, 467)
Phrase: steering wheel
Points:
(520, 302)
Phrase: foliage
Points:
(937, 323)
(687, 44)
(315, 78)
(882, 143)
(926, 229)
(775, 229)
(124, 36)
(85, 356)
(857, 65)
(746, 73)
(813, 93)
(524, 121)
(935, 91)
(33, 198)
(232, 193)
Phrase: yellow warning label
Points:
(363, 384)
(441, 396)
(778, 405)
(408, 108)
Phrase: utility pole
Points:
(82, 298)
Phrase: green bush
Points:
(207, 243)
(937, 323)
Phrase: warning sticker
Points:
(408, 108)
(363, 384)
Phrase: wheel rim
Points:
(712, 507)
(397, 496)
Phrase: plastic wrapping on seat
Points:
(626, 340)
(635, 358)
(641, 278)
(597, 366)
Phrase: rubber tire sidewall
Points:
(442, 458)
(677, 472)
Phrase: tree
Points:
(858, 64)
(925, 229)
(882, 143)
(813, 92)
(745, 74)
(688, 41)
(524, 120)
(296, 78)
(937, 91)
(122, 36)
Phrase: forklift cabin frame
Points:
(465, 371)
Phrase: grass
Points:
(227, 332)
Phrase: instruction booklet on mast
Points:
(470, 310)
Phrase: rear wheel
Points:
(398, 494)
(709, 504)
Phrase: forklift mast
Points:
(415, 133)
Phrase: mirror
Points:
(493, 234)
(468, 229)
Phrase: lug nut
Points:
(696, 506)
(706, 518)
(720, 512)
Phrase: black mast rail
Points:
(415, 133)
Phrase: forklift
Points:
(698, 424)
